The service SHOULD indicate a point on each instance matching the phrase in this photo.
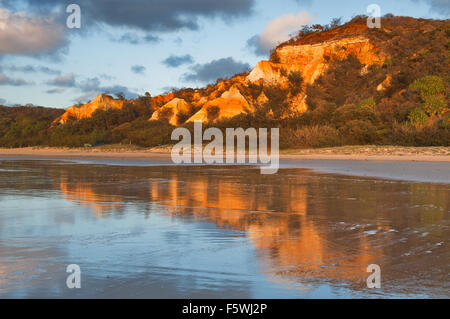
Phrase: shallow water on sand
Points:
(217, 232)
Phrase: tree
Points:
(120, 95)
(335, 22)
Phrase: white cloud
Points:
(29, 35)
(278, 30)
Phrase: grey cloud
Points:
(167, 15)
(175, 61)
(92, 87)
(67, 80)
(168, 89)
(133, 38)
(6, 80)
(441, 7)
(138, 69)
(38, 33)
(30, 69)
(178, 41)
(255, 46)
(304, 2)
(55, 91)
(89, 84)
(277, 31)
(209, 72)
(114, 89)
(153, 15)
(107, 76)
(47, 70)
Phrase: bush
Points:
(431, 90)
(418, 117)
(310, 136)
(295, 82)
(409, 135)
(343, 84)
(213, 112)
(146, 133)
(26, 126)
(368, 104)
(435, 105)
(359, 132)
(429, 86)
(277, 101)
(165, 113)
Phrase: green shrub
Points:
(418, 117)
(432, 91)
(368, 104)
(435, 104)
(428, 86)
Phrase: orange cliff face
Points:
(172, 111)
(229, 104)
(312, 60)
(310, 57)
(101, 102)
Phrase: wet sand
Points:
(217, 232)
(409, 164)
(416, 171)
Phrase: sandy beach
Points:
(421, 164)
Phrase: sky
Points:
(139, 46)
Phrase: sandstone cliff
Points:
(229, 104)
(172, 111)
(101, 102)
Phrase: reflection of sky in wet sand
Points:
(218, 232)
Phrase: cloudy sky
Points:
(136, 46)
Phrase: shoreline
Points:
(361, 153)
(393, 163)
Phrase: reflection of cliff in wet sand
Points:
(304, 228)
(287, 239)
(83, 193)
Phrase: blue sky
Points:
(45, 63)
